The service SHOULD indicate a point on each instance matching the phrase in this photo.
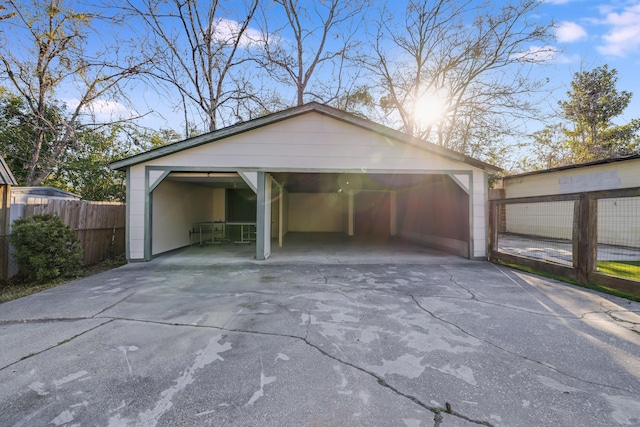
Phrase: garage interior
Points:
(429, 209)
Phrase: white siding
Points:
(479, 212)
(307, 143)
(619, 221)
(550, 219)
(266, 220)
(608, 176)
(136, 206)
(313, 142)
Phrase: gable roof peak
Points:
(292, 112)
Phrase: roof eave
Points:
(575, 166)
(405, 138)
(210, 137)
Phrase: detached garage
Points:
(306, 169)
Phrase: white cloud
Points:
(568, 32)
(558, 1)
(623, 36)
(538, 54)
(226, 30)
(103, 110)
(110, 109)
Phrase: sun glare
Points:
(431, 107)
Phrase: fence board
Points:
(99, 226)
(535, 264)
(618, 283)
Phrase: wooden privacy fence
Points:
(99, 226)
(593, 237)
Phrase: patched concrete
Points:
(421, 340)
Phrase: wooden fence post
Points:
(5, 205)
(575, 234)
(587, 237)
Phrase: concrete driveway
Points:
(435, 341)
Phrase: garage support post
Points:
(263, 217)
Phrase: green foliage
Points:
(588, 132)
(625, 269)
(83, 167)
(593, 286)
(594, 100)
(18, 130)
(45, 248)
(592, 104)
(357, 101)
(550, 147)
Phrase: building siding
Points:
(618, 218)
(607, 176)
(311, 142)
(287, 146)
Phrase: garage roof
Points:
(293, 112)
(575, 166)
(6, 177)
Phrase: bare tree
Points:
(6, 15)
(198, 51)
(455, 72)
(312, 51)
(56, 63)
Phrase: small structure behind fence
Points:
(591, 237)
(99, 226)
(6, 181)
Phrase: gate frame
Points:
(584, 238)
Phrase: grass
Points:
(11, 290)
(625, 269)
(599, 288)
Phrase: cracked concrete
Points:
(431, 341)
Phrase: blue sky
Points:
(593, 33)
(589, 33)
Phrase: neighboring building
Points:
(619, 218)
(6, 181)
(609, 174)
(21, 196)
(307, 169)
